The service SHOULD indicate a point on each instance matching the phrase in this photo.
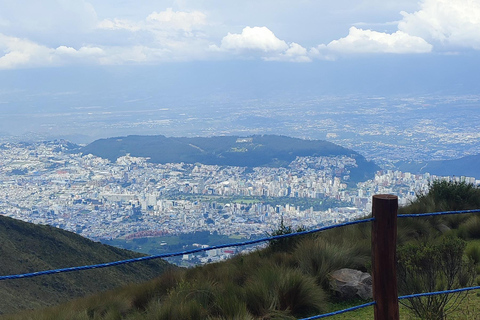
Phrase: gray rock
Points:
(350, 283)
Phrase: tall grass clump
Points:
(473, 252)
(320, 257)
(470, 229)
(275, 290)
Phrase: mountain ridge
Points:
(249, 151)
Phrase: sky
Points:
(62, 33)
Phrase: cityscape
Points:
(45, 183)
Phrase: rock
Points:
(443, 228)
(350, 283)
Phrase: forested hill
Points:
(26, 247)
(253, 151)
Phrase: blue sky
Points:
(58, 33)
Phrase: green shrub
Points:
(433, 266)
(473, 252)
(275, 290)
(470, 229)
(284, 244)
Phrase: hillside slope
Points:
(253, 151)
(26, 247)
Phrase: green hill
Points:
(25, 247)
(253, 151)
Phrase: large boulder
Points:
(350, 283)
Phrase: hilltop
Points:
(26, 247)
(252, 151)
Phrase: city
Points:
(43, 183)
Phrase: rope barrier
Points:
(418, 295)
(174, 254)
(341, 311)
(429, 214)
(238, 244)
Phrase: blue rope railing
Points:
(441, 213)
(180, 253)
(334, 313)
(245, 243)
(426, 294)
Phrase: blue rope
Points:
(341, 311)
(418, 295)
(174, 254)
(415, 215)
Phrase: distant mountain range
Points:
(468, 166)
(252, 151)
(26, 247)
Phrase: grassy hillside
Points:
(25, 247)
(286, 280)
(254, 151)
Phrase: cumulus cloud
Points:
(262, 41)
(23, 53)
(368, 41)
(452, 23)
(295, 53)
(256, 38)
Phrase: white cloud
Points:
(368, 41)
(295, 53)
(261, 42)
(23, 53)
(256, 38)
(450, 22)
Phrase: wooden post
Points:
(384, 268)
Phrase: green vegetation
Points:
(319, 204)
(289, 282)
(434, 266)
(256, 151)
(26, 247)
(172, 243)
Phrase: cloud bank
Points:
(446, 22)
(56, 33)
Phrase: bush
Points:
(473, 252)
(429, 267)
(470, 229)
(284, 244)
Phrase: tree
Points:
(429, 267)
(284, 244)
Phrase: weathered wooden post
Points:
(384, 244)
